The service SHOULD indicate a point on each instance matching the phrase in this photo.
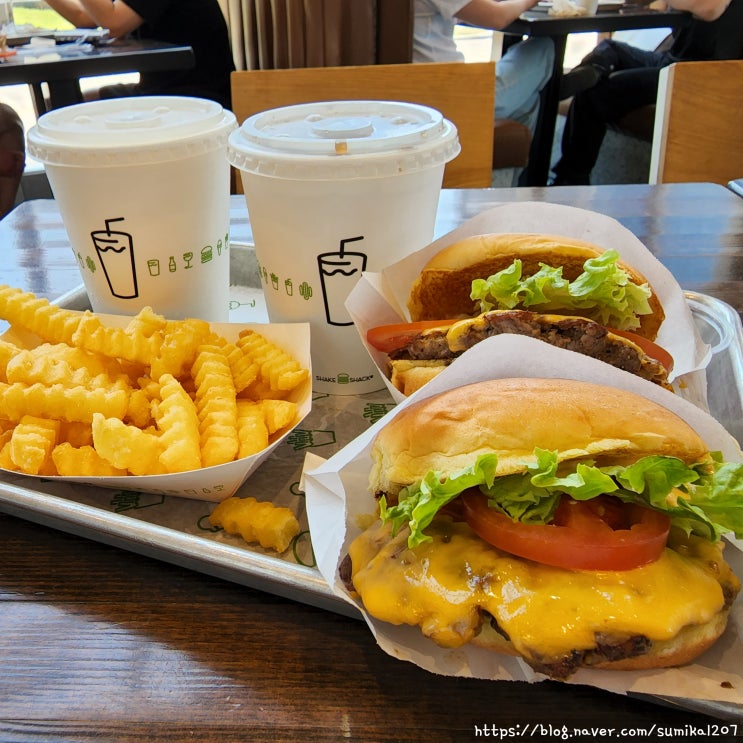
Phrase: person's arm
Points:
(705, 10)
(495, 14)
(116, 16)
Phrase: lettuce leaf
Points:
(604, 292)
(418, 504)
(706, 499)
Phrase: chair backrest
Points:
(278, 34)
(464, 93)
(698, 135)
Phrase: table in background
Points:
(101, 644)
(537, 22)
(62, 73)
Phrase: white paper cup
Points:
(334, 189)
(143, 188)
(590, 6)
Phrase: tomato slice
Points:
(387, 338)
(651, 349)
(600, 534)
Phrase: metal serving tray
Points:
(177, 530)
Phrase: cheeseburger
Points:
(564, 291)
(571, 524)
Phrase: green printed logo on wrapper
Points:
(130, 500)
(301, 438)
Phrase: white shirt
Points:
(433, 31)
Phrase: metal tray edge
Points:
(251, 569)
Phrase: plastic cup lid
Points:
(343, 139)
(130, 131)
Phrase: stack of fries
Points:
(80, 398)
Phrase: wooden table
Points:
(101, 644)
(62, 72)
(537, 22)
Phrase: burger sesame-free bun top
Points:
(510, 417)
(443, 288)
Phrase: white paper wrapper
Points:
(337, 495)
(381, 298)
(220, 482)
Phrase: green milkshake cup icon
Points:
(116, 255)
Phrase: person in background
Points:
(12, 157)
(520, 73)
(616, 78)
(197, 23)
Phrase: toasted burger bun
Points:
(511, 416)
(408, 376)
(459, 589)
(690, 642)
(443, 288)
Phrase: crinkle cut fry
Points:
(46, 372)
(57, 401)
(50, 363)
(278, 414)
(31, 443)
(82, 461)
(244, 369)
(178, 423)
(8, 352)
(38, 316)
(279, 371)
(252, 430)
(146, 322)
(127, 447)
(216, 406)
(181, 341)
(273, 527)
(93, 335)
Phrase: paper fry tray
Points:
(177, 530)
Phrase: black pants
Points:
(630, 81)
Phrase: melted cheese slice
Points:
(443, 585)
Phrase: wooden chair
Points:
(464, 93)
(698, 135)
